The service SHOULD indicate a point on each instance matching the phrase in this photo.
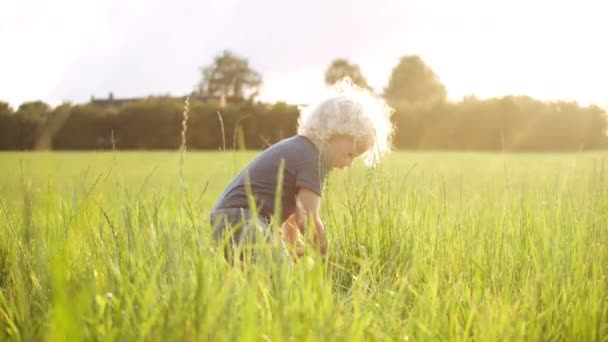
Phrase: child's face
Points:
(343, 150)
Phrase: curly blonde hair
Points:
(350, 111)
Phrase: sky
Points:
(70, 50)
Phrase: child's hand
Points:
(300, 249)
(321, 242)
(290, 230)
(291, 235)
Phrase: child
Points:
(331, 134)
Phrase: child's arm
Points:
(311, 202)
(290, 229)
(290, 234)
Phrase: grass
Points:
(430, 246)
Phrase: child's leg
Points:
(236, 229)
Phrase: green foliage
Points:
(5, 109)
(7, 130)
(231, 76)
(36, 111)
(20, 131)
(341, 68)
(224, 115)
(154, 123)
(430, 246)
(87, 127)
(508, 123)
(413, 82)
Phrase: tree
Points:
(412, 81)
(85, 127)
(8, 139)
(230, 76)
(31, 119)
(340, 68)
(56, 119)
(153, 123)
(34, 111)
(5, 108)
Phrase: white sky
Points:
(68, 50)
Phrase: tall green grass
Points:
(429, 246)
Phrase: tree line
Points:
(224, 114)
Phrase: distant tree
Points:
(340, 68)
(34, 111)
(31, 119)
(230, 76)
(86, 127)
(412, 81)
(5, 108)
(7, 127)
(55, 121)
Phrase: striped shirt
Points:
(303, 168)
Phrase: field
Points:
(429, 246)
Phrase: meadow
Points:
(428, 246)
